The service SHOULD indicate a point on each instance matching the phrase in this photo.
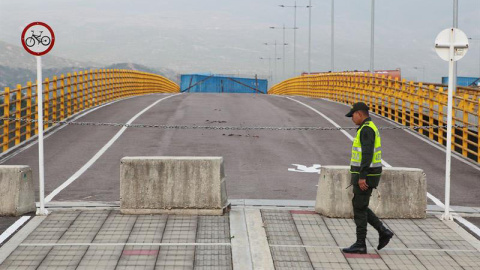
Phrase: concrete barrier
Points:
(402, 193)
(17, 194)
(173, 185)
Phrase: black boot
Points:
(358, 247)
(384, 237)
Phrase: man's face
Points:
(357, 118)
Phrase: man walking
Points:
(365, 169)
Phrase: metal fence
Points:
(65, 96)
(408, 103)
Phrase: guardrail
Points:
(65, 96)
(408, 103)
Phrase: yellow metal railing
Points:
(65, 96)
(407, 103)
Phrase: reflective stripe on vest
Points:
(356, 158)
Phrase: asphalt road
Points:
(256, 162)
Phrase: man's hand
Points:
(363, 184)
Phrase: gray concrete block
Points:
(17, 195)
(173, 185)
(402, 193)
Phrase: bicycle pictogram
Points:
(32, 40)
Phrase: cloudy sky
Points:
(228, 36)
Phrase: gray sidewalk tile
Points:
(85, 227)
(313, 230)
(280, 228)
(344, 232)
(25, 258)
(63, 257)
(327, 258)
(52, 228)
(442, 235)
(293, 257)
(100, 257)
(436, 260)
(468, 260)
(411, 234)
(147, 229)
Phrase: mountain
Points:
(18, 67)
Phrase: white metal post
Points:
(283, 52)
(41, 172)
(372, 40)
(309, 36)
(447, 214)
(295, 39)
(332, 41)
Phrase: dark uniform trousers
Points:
(361, 213)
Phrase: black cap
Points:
(359, 106)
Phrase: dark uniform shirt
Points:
(367, 140)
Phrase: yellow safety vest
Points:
(356, 158)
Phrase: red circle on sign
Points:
(50, 45)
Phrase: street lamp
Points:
(275, 78)
(477, 39)
(294, 34)
(422, 68)
(372, 40)
(269, 64)
(309, 36)
(284, 44)
(332, 53)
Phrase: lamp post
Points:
(477, 39)
(269, 64)
(275, 78)
(422, 68)
(309, 36)
(284, 44)
(372, 40)
(294, 34)
(332, 39)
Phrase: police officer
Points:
(365, 169)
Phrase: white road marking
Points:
(304, 169)
(99, 153)
(120, 244)
(5, 155)
(469, 225)
(6, 234)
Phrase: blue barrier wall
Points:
(463, 81)
(207, 83)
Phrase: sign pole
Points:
(41, 169)
(451, 68)
(451, 45)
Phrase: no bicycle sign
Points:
(38, 38)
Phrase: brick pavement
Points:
(106, 239)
